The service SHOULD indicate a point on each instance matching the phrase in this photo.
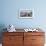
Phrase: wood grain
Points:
(23, 38)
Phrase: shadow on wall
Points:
(2, 26)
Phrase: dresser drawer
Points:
(37, 44)
(12, 39)
(13, 44)
(34, 33)
(37, 39)
(13, 33)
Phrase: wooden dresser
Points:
(23, 39)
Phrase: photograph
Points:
(25, 13)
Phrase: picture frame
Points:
(25, 13)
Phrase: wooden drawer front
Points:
(33, 40)
(37, 45)
(27, 41)
(12, 39)
(13, 33)
(8, 45)
(33, 33)
(20, 44)
(37, 39)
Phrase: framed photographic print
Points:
(25, 13)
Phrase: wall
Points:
(9, 13)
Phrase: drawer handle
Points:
(33, 39)
(11, 38)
